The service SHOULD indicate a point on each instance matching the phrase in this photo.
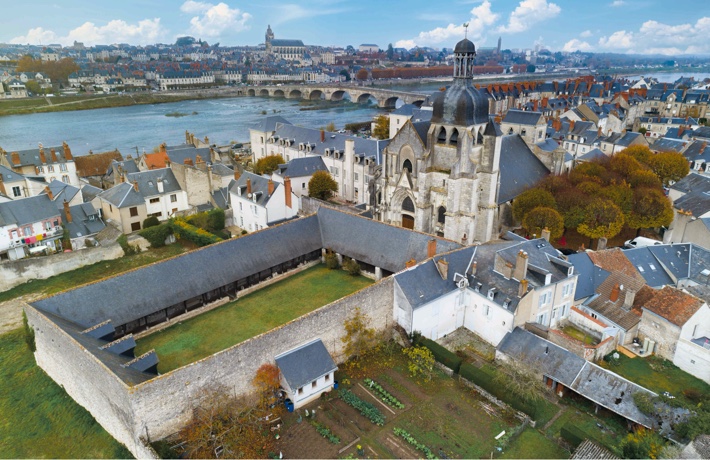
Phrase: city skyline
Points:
(625, 26)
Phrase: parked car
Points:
(640, 242)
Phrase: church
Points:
(289, 50)
(455, 175)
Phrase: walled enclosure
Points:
(133, 405)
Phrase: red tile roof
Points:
(674, 305)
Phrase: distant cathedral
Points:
(455, 175)
(289, 50)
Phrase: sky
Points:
(621, 26)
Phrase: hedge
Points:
(156, 236)
(189, 232)
(485, 379)
(441, 354)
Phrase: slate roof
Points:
(89, 192)
(696, 202)
(674, 305)
(220, 169)
(589, 380)
(259, 188)
(95, 164)
(179, 153)
(548, 145)
(692, 182)
(148, 182)
(422, 129)
(299, 167)
(521, 117)
(81, 225)
(221, 197)
(286, 42)
(520, 169)
(27, 210)
(666, 144)
(123, 195)
(62, 192)
(8, 175)
(592, 155)
(590, 275)
(647, 265)
(269, 124)
(128, 166)
(32, 156)
(303, 365)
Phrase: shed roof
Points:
(304, 364)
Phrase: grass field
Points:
(532, 444)
(91, 273)
(657, 375)
(258, 312)
(38, 419)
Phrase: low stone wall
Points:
(16, 272)
(588, 352)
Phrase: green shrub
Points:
(352, 267)
(151, 221)
(156, 236)
(331, 261)
(191, 233)
(441, 354)
(215, 220)
(29, 333)
(128, 250)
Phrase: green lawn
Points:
(37, 418)
(612, 430)
(256, 313)
(657, 375)
(91, 273)
(532, 444)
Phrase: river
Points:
(144, 127)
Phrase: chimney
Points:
(520, 271)
(599, 131)
(287, 191)
(198, 159)
(188, 161)
(53, 154)
(546, 234)
(614, 296)
(167, 162)
(67, 211)
(474, 268)
(135, 185)
(523, 288)
(67, 151)
(49, 192)
(443, 266)
(248, 187)
(322, 135)
(431, 248)
(42, 158)
(629, 298)
(271, 187)
(237, 174)
(571, 125)
(410, 263)
(601, 243)
(535, 102)
(163, 148)
(159, 183)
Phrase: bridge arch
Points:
(366, 98)
(340, 95)
(251, 92)
(278, 93)
(418, 103)
(264, 93)
(393, 102)
(295, 94)
(316, 94)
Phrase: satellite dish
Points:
(249, 195)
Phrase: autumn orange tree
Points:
(544, 218)
(268, 164)
(55, 70)
(267, 382)
(358, 336)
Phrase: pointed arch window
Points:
(441, 215)
(407, 165)
(408, 205)
(441, 136)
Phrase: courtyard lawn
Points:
(91, 273)
(256, 313)
(532, 444)
(657, 375)
(37, 418)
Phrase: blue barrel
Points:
(335, 385)
(289, 405)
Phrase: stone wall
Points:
(163, 405)
(588, 352)
(13, 273)
(87, 381)
(661, 331)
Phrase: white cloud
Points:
(617, 3)
(586, 34)
(619, 40)
(576, 45)
(292, 12)
(117, 31)
(481, 18)
(214, 20)
(529, 12)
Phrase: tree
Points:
(644, 178)
(571, 203)
(382, 127)
(669, 166)
(540, 218)
(642, 444)
(602, 218)
(641, 152)
(643, 131)
(33, 87)
(625, 164)
(345, 74)
(352, 267)
(651, 208)
(322, 186)
(390, 52)
(421, 361)
(330, 127)
(358, 337)
(268, 164)
(362, 74)
(267, 382)
(151, 221)
(531, 199)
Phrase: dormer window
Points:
(491, 293)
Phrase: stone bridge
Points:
(385, 98)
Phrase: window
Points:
(314, 384)
(27, 231)
(16, 191)
(567, 289)
(545, 299)
(154, 200)
(133, 211)
(367, 179)
(40, 169)
(135, 226)
(173, 198)
(327, 377)
(50, 168)
(63, 167)
(486, 310)
(65, 179)
(47, 225)
(300, 391)
(542, 319)
(334, 171)
(356, 177)
(241, 222)
(303, 185)
(407, 165)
